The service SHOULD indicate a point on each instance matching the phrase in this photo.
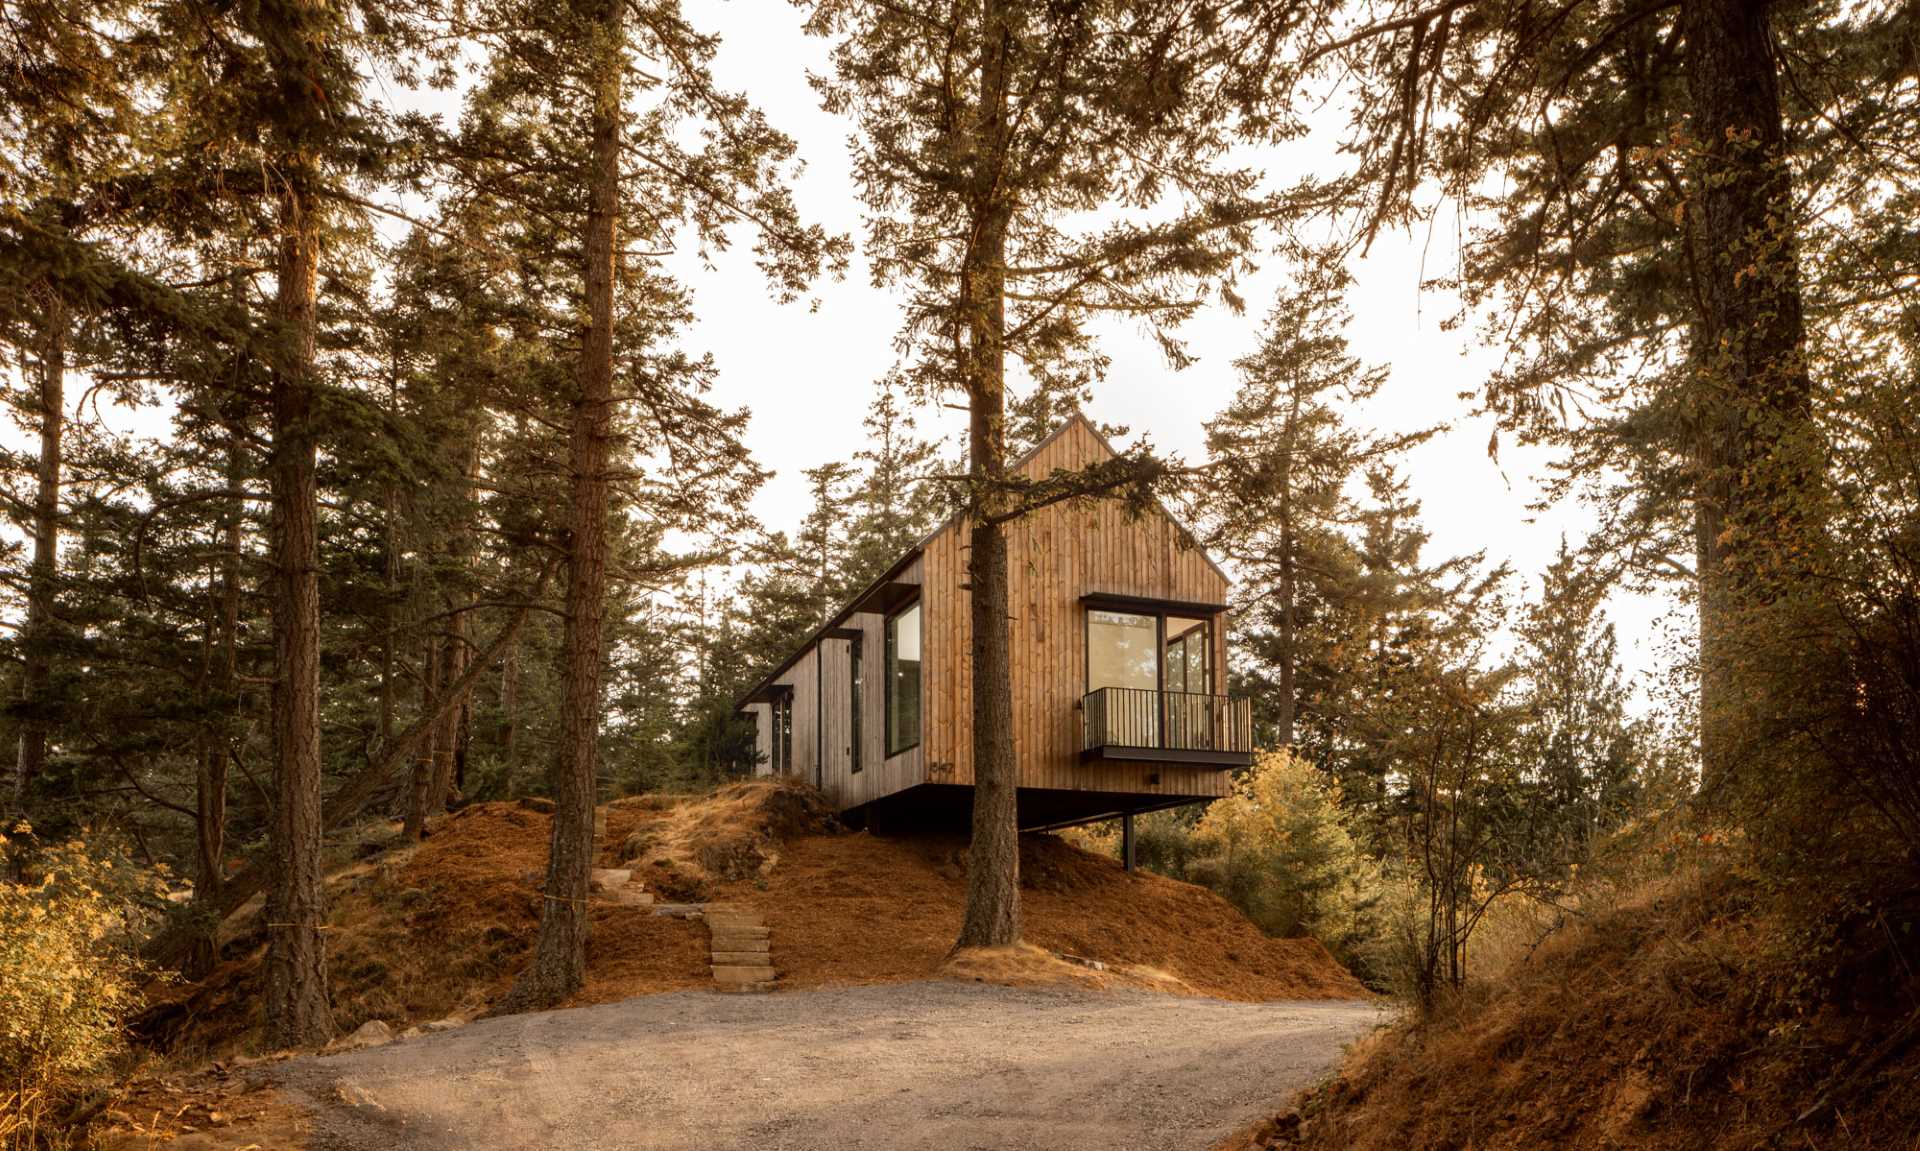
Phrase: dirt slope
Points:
(1674, 1022)
(421, 932)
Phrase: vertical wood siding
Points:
(1056, 556)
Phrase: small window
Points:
(783, 733)
(903, 680)
(853, 712)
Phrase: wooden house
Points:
(1119, 660)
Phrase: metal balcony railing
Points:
(1171, 721)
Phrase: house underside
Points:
(1117, 663)
(949, 806)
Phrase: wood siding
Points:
(823, 734)
(1055, 556)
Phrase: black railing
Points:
(1136, 717)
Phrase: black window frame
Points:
(854, 672)
(783, 733)
(1160, 612)
(887, 644)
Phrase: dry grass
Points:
(1651, 1025)
(422, 932)
(851, 909)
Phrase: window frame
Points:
(1159, 612)
(855, 670)
(783, 732)
(887, 659)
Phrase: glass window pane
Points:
(903, 680)
(1123, 655)
(1122, 650)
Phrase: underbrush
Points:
(72, 916)
(1698, 1008)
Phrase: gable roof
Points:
(952, 522)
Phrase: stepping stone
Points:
(735, 974)
(741, 958)
(760, 988)
(729, 943)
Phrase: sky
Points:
(808, 374)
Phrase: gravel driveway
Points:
(935, 1065)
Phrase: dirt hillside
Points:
(1669, 1023)
(422, 932)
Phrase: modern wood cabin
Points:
(1119, 660)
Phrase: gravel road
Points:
(937, 1066)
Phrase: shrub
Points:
(1279, 848)
(70, 975)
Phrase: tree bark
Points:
(993, 861)
(1289, 585)
(1754, 453)
(219, 680)
(560, 954)
(37, 634)
(455, 645)
(296, 966)
(420, 780)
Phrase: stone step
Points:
(737, 921)
(734, 974)
(760, 988)
(737, 928)
(742, 959)
(738, 943)
(607, 878)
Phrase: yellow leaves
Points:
(69, 971)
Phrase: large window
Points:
(903, 680)
(1189, 662)
(1158, 672)
(854, 678)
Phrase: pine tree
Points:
(1276, 496)
(896, 502)
(981, 130)
(1641, 247)
(619, 165)
(823, 536)
(1576, 741)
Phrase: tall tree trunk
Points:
(37, 635)
(220, 679)
(560, 954)
(296, 967)
(510, 714)
(1755, 455)
(1289, 586)
(420, 781)
(993, 861)
(455, 645)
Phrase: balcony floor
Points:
(945, 806)
(1206, 757)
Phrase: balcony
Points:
(1141, 725)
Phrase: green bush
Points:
(1279, 848)
(70, 975)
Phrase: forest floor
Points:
(428, 931)
(933, 1065)
(433, 933)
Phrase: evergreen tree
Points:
(984, 133)
(1276, 498)
(1576, 741)
(897, 501)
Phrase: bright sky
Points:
(808, 376)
